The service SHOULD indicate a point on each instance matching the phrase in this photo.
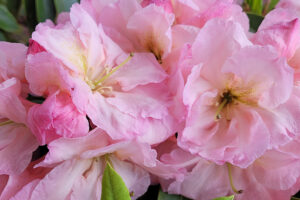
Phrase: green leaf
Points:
(2, 36)
(14, 6)
(63, 5)
(255, 21)
(113, 187)
(225, 198)
(44, 10)
(165, 196)
(8, 22)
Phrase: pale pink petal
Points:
(209, 41)
(283, 34)
(89, 36)
(11, 104)
(62, 43)
(276, 170)
(29, 178)
(16, 154)
(182, 34)
(222, 9)
(166, 4)
(142, 69)
(116, 123)
(195, 86)
(45, 74)
(12, 56)
(67, 148)
(151, 30)
(57, 184)
(264, 72)
(88, 186)
(63, 18)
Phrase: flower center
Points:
(98, 85)
(225, 99)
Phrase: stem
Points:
(231, 181)
(115, 69)
(218, 115)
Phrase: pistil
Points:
(231, 180)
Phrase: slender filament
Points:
(231, 181)
(115, 69)
(220, 108)
(6, 123)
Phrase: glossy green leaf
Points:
(44, 10)
(113, 187)
(14, 6)
(165, 196)
(225, 198)
(63, 5)
(8, 22)
(255, 21)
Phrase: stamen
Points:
(102, 89)
(6, 123)
(115, 69)
(231, 181)
(220, 107)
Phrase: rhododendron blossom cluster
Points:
(172, 92)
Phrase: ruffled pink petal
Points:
(58, 183)
(46, 75)
(12, 56)
(142, 69)
(209, 42)
(276, 170)
(63, 43)
(166, 4)
(10, 97)
(57, 117)
(182, 34)
(151, 27)
(280, 29)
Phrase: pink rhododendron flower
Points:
(120, 93)
(275, 175)
(171, 92)
(77, 167)
(238, 101)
